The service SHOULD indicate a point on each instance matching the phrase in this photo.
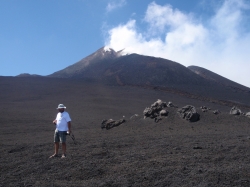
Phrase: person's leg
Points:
(64, 148)
(56, 145)
(56, 148)
(63, 141)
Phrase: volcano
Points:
(116, 68)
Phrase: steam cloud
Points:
(115, 4)
(221, 44)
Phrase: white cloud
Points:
(157, 19)
(114, 4)
(220, 45)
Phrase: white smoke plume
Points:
(220, 44)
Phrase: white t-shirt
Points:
(62, 121)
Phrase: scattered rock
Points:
(248, 114)
(159, 103)
(197, 147)
(108, 124)
(235, 111)
(204, 108)
(156, 111)
(189, 113)
(163, 112)
(133, 116)
(216, 112)
(170, 104)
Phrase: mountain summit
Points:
(89, 66)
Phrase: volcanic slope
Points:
(209, 75)
(114, 68)
(173, 152)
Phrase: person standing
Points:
(63, 127)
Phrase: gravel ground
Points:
(173, 152)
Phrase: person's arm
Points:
(69, 127)
(55, 121)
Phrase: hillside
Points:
(209, 75)
(213, 151)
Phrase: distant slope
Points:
(209, 75)
(28, 75)
(137, 69)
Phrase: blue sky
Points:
(44, 36)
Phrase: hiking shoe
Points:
(63, 156)
(54, 155)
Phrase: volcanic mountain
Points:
(117, 68)
(132, 69)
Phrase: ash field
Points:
(213, 151)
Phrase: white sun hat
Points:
(61, 106)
